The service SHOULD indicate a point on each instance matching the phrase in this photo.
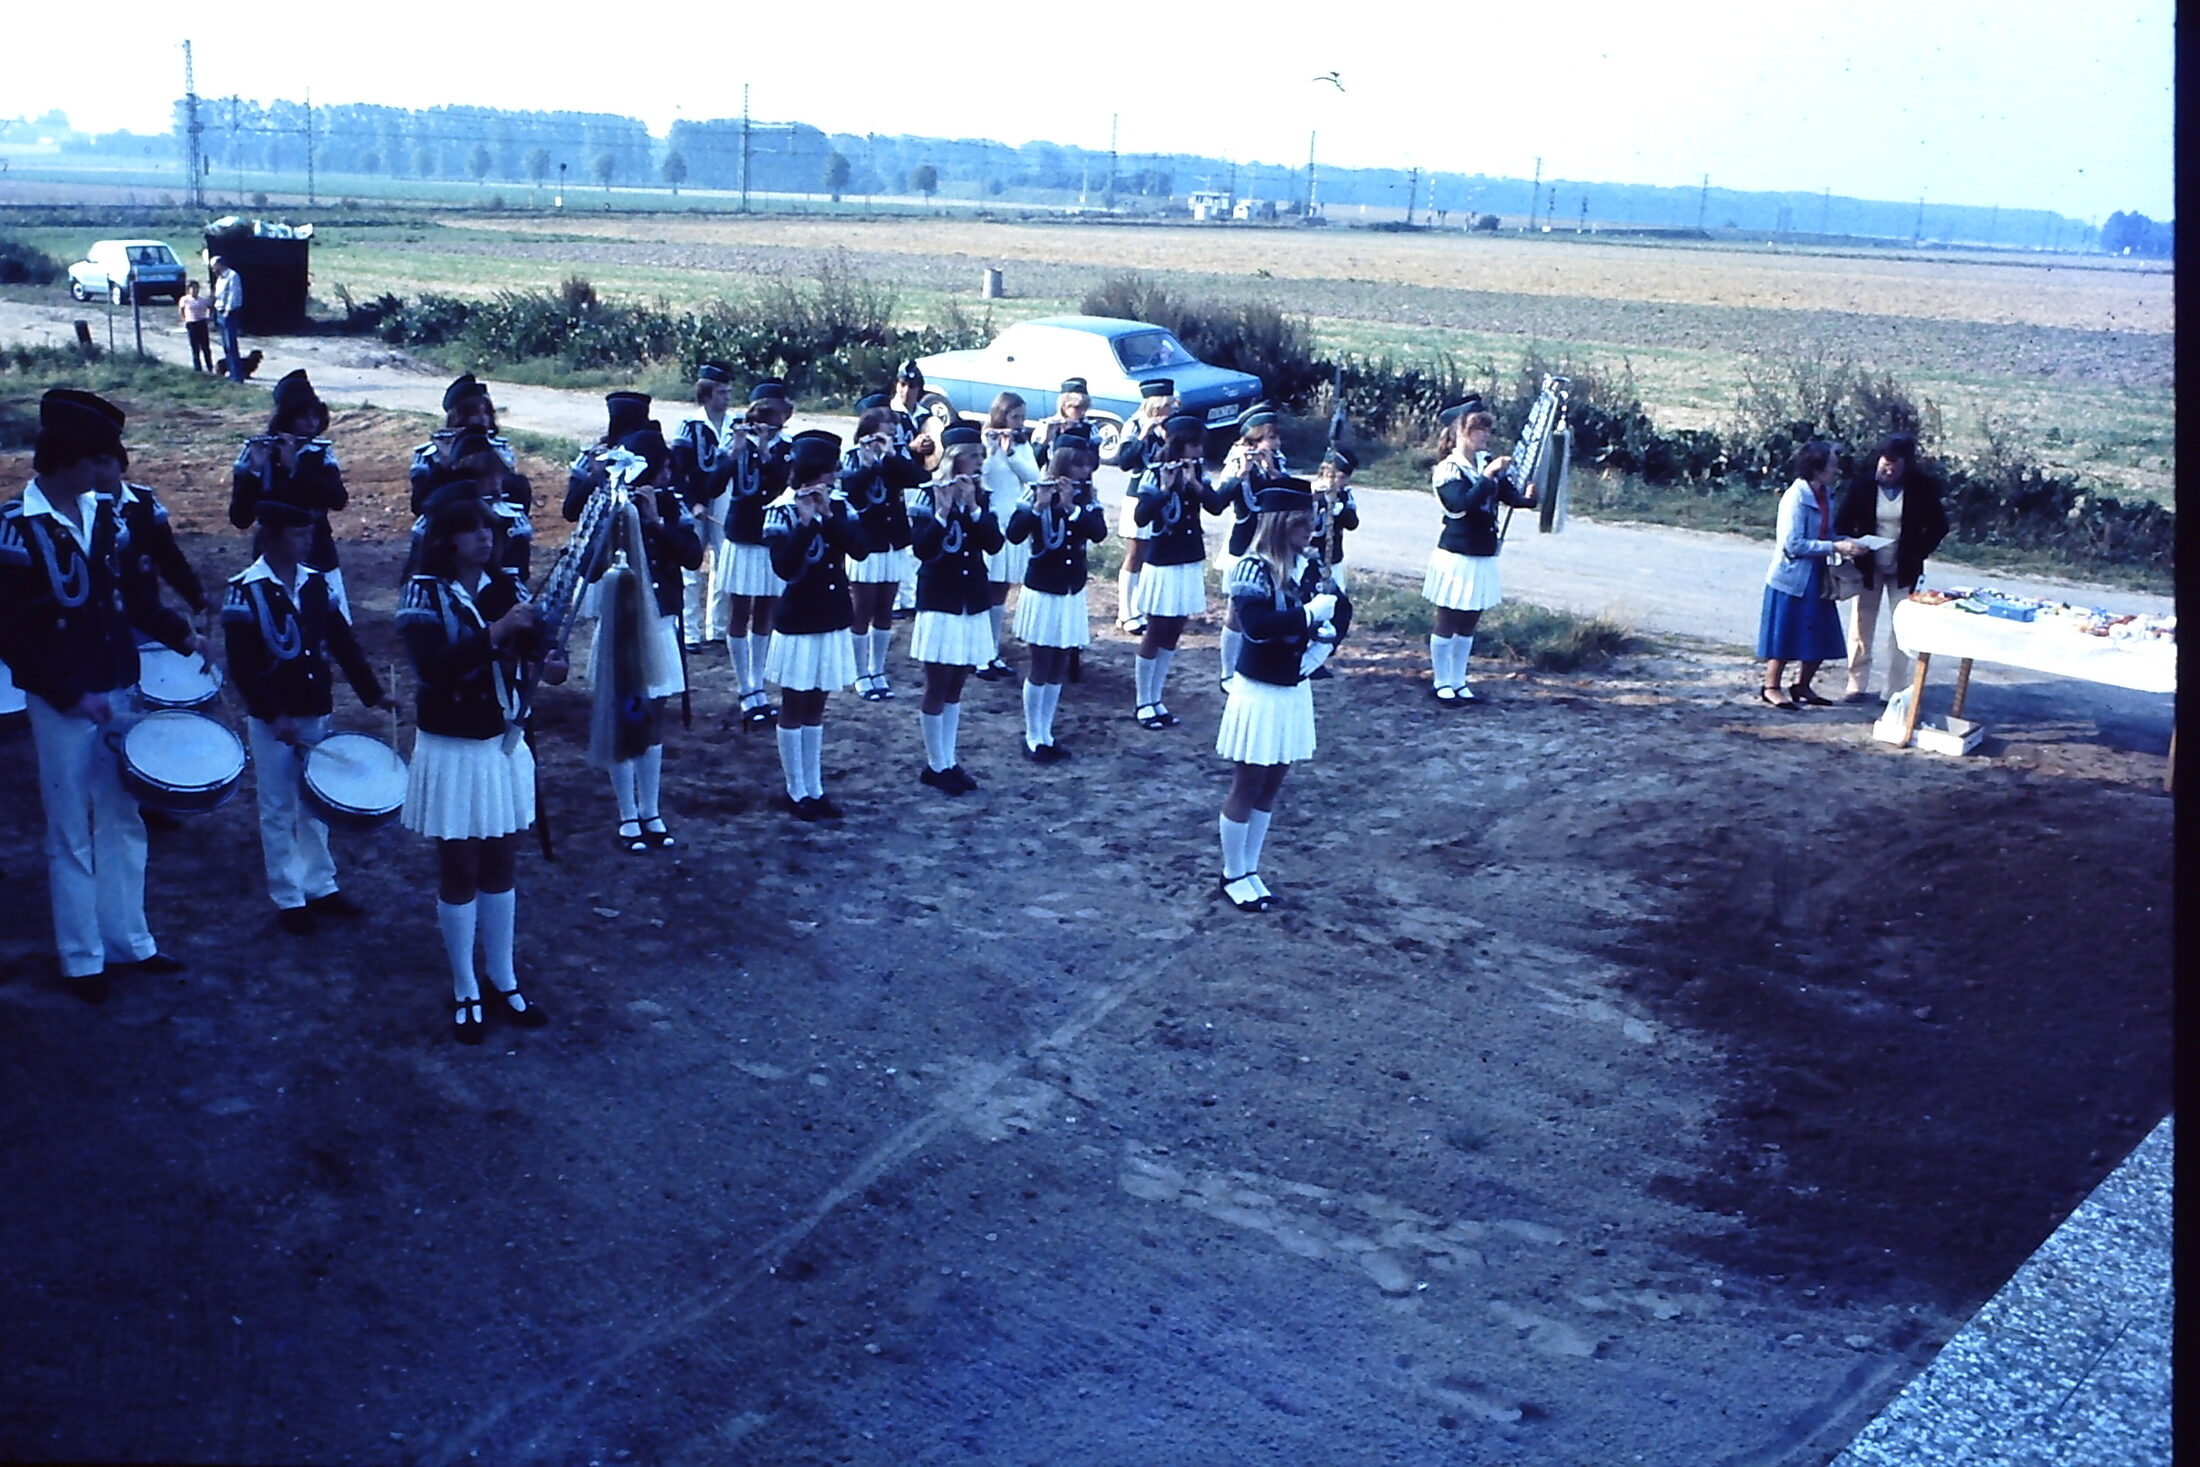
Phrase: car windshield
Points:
(151, 255)
(1143, 351)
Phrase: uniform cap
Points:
(812, 453)
(962, 435)
(909, 371)
(1157, 387)
(712, 372)
(1292, 496)
(875, 400)
(294, 393)
(1075, 384)
(273, 514)
(1185, 423)
(1471, 403)
(770, 390)
(628, 412)
(79, 414)
(464, 386)
(1338, 456)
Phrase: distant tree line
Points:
(490, 144)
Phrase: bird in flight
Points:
(1331, 78)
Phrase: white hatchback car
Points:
(108, 266)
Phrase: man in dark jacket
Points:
(74, 596)
(1890, 496)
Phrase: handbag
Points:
(1844, 579)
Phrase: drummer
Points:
(71, 606)
(283, 625)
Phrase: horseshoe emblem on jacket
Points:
(1054, 531)
(1172, 510)
(951, 543)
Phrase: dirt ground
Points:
(1631, 1075)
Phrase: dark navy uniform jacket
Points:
(316, 484)
(1059, 538)
(759, 479)
(468, 688)
(1274, 621)
(1173, 511)
(1470, 498)
(813, 560)
(1241, 480)
(700, 463)
(875, 492)
(71, 610)
(952, 548)
(432, 467)
(153, 539)
(672, 545)
(280, 645)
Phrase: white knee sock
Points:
(1034, 714)
(1231, 643)
(790, 761)
(457, 921)
(1461, 649)
(813, 758)
(1235, 862)
(1256, 835)
(1439, 660)
(951, 718)
(649, 773)
(999, 617)
(498, 909)
(760, 648)
(1161, 661)
(935, 741)
(1050, 698)
(1142, 676)
(737, 649)
(622, 790)
(882, 646)
(1126, 592)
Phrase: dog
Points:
(250, 363)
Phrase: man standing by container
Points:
(229, 313)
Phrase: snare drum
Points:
(169, 679)
(178, 762)
(354, 781)
(14, 706)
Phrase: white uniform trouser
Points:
(701, 609)
(95, 839)
(293, 843)
(1864, 630)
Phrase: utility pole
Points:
(1917, 235)
(1311, 200)
(192, 128)
(1233, 185)
(1583, 226)
(1535, 195)
(311, 199)
(1703, 202)
(1413, 189)
(744, 147)
(1825, 207)
(1108, 199)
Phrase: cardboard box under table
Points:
(2050, 645)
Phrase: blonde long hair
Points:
(1272, 543)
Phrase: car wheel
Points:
(936, 403)
(77, 292)
(114, 294)
(1106, 434)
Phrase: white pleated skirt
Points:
(1462, 582)
(951, 639)
(809, 662)
(1008, 564)
(1266, 724)
(881, 567)
(1053, 619)
(468, 789)
(1127, 525)
(744, 570)
(1171, 590)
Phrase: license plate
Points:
(1225, 414)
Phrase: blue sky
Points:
(2022, 104)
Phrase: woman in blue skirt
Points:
(1798, 623)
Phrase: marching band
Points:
(793, 549)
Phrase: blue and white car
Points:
(1033, 358)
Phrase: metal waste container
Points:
(275, 274)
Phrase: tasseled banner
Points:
(622, 717)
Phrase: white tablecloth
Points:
(2147, 666)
